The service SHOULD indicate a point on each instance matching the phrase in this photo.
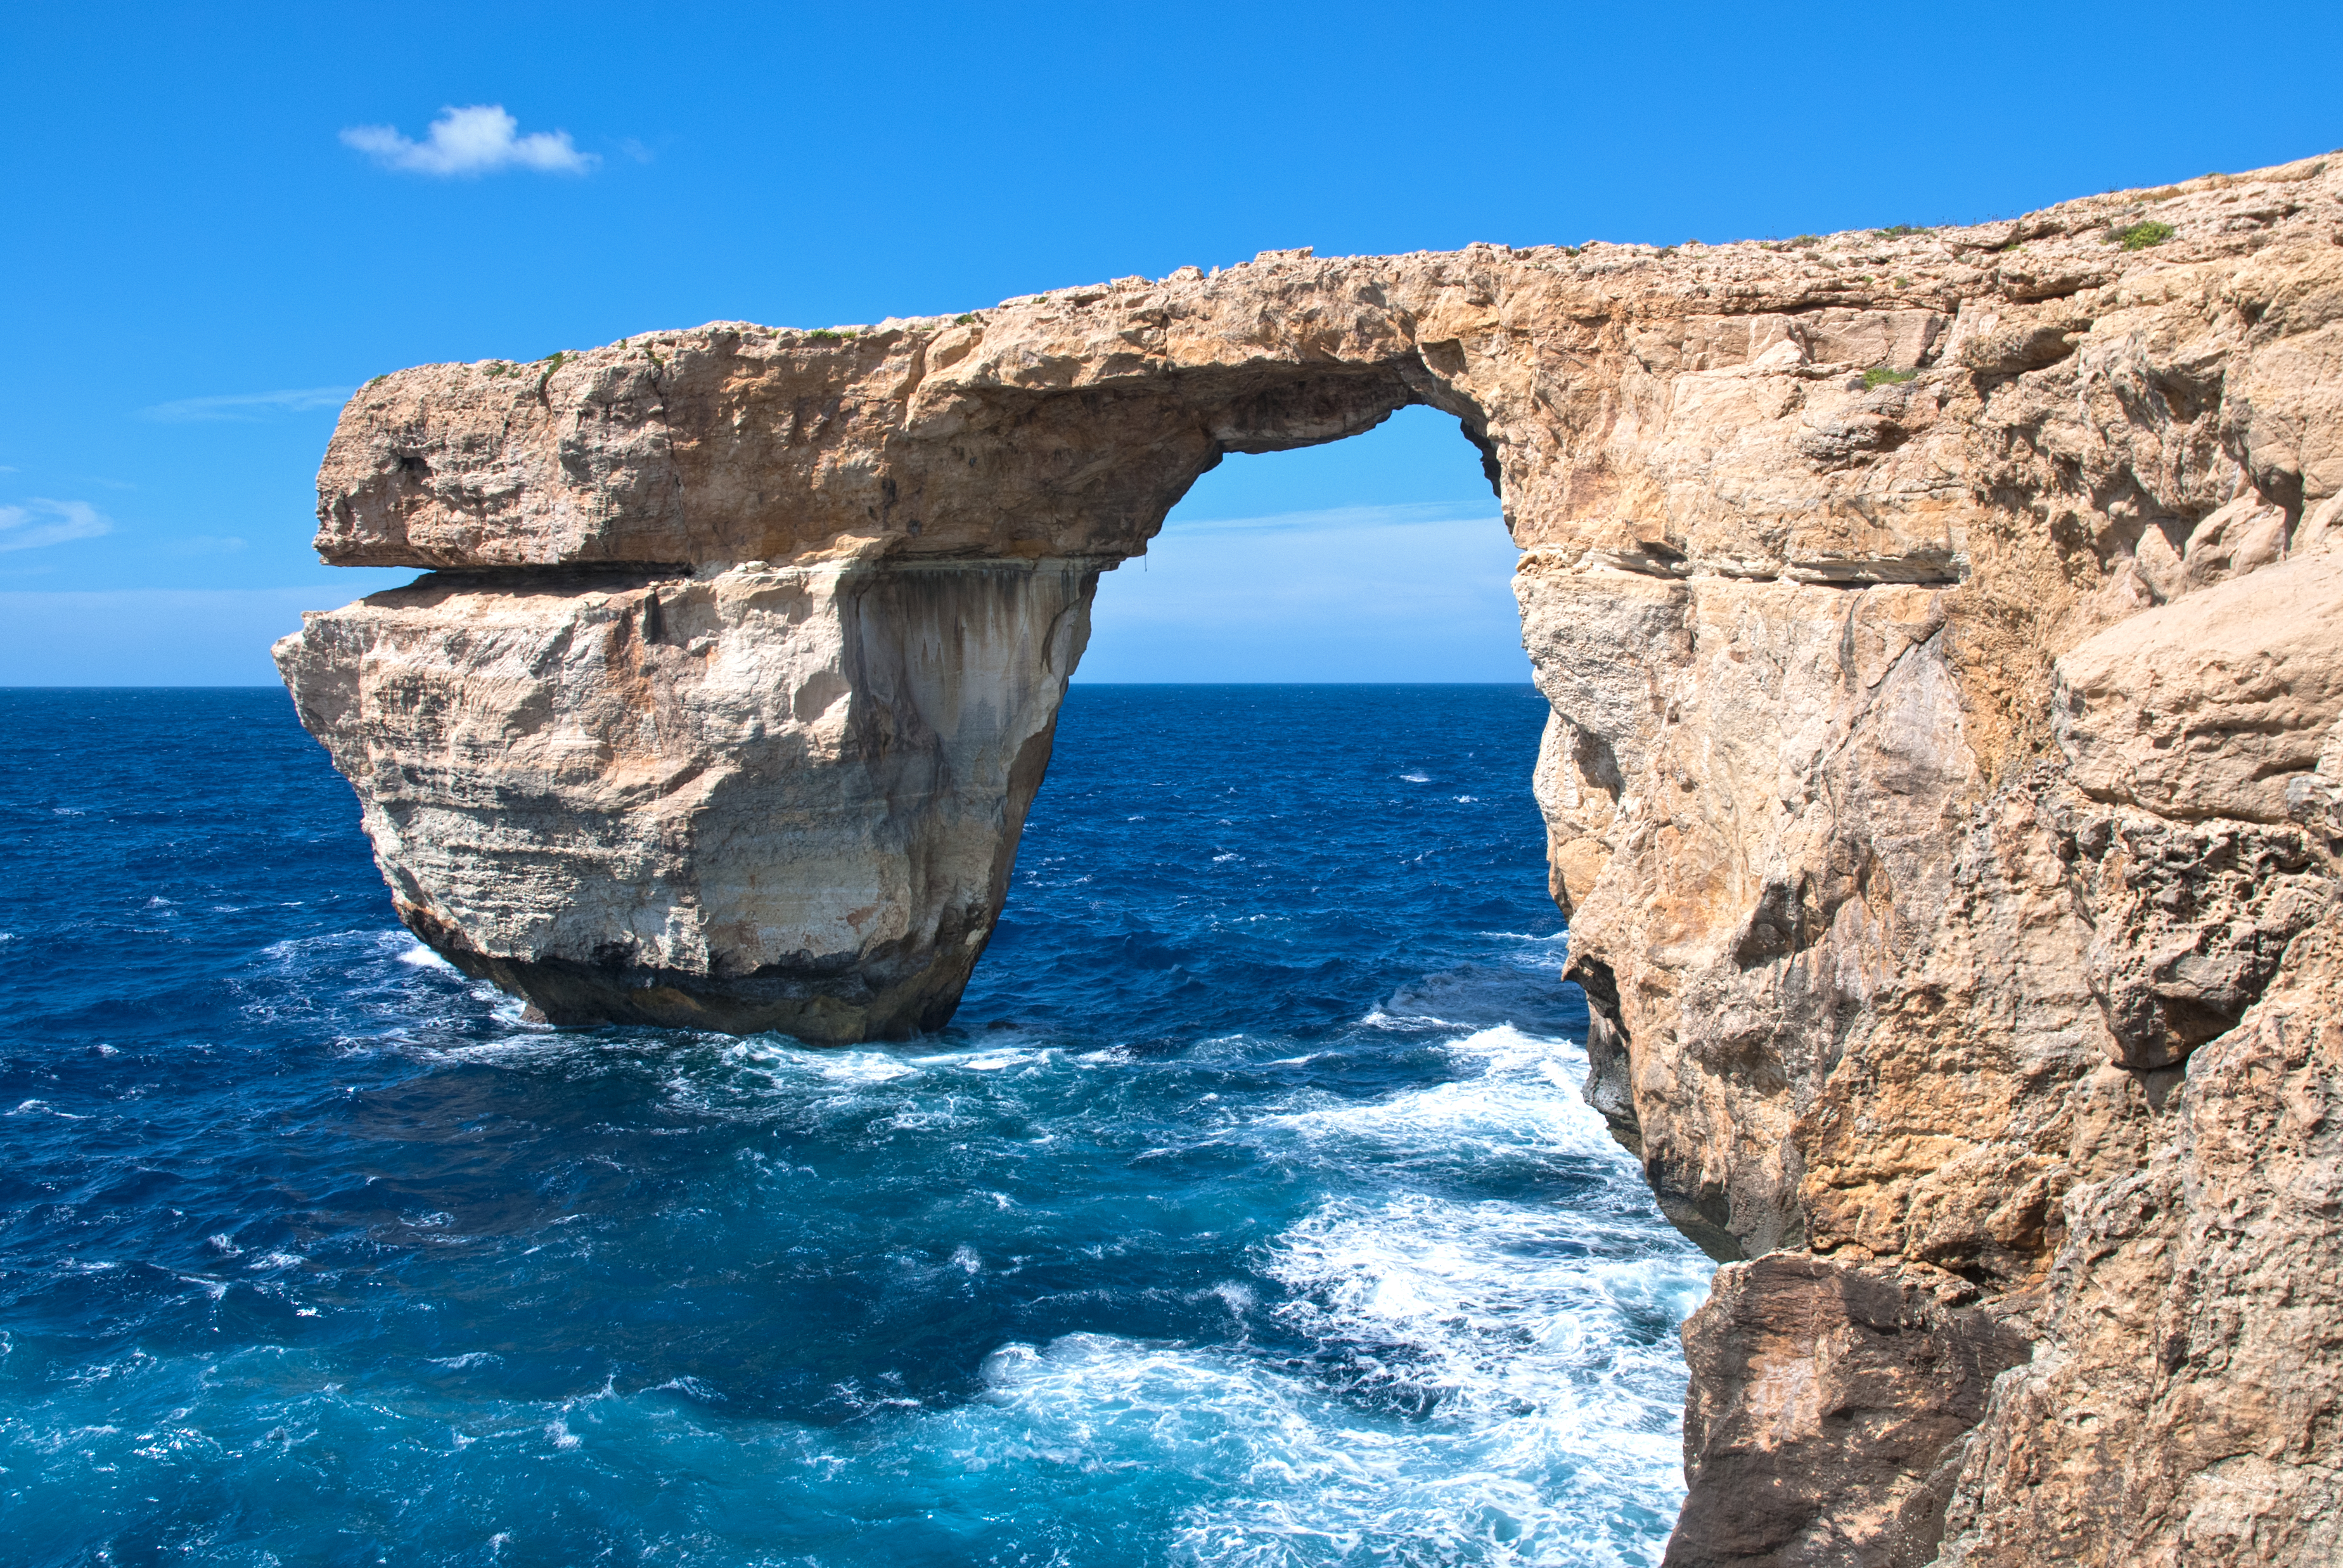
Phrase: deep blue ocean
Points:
(1248, 1214)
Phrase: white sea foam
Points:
(1296, 1474)
(1523, 1097)
(1499, 1382)
(694, 1388)
(1494, 1382)
(875, 1065)
(781, 1061)
(753, 1080)
(43, 1108)
(1493, 1303)
(1549, 952)
(986, 1061)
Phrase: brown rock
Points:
(1945, 777)
(2208, 706)
(771, 797)
(2182, 1406)
(1829, 1412)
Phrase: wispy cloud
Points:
(478, 140)
(41, 521)
(248, 404)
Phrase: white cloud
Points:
(477, 140)
(21, 528)
(248, 404)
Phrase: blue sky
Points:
(224, 216)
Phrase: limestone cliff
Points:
(1944, 631)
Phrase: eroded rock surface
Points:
(1944, 632)
(1828, 1409)
(772, 796)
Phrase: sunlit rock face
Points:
(769, 796)
(1945, 782)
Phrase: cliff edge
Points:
(1944, 633)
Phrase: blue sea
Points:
(1248, 1214)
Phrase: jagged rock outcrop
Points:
(1944, 631)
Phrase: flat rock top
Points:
(1066, 422)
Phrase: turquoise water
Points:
(1248, 1214)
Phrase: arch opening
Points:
(1380, 556)
(1308, 924)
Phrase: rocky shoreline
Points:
(1944, 631)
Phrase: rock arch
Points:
(1940, 630)
(785, 618)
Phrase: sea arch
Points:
(808, 601)
(1858, 574)
(740, 659)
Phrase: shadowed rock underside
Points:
(1944, 632)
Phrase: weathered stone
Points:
(2189, 923)
(1829, 1412)
(1947, 1136)
(763, 798)
(1945, 779)
(2182, 1409)
(2205, 708)
(2028, 346)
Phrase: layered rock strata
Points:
(1944, 632)
(769, 796)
